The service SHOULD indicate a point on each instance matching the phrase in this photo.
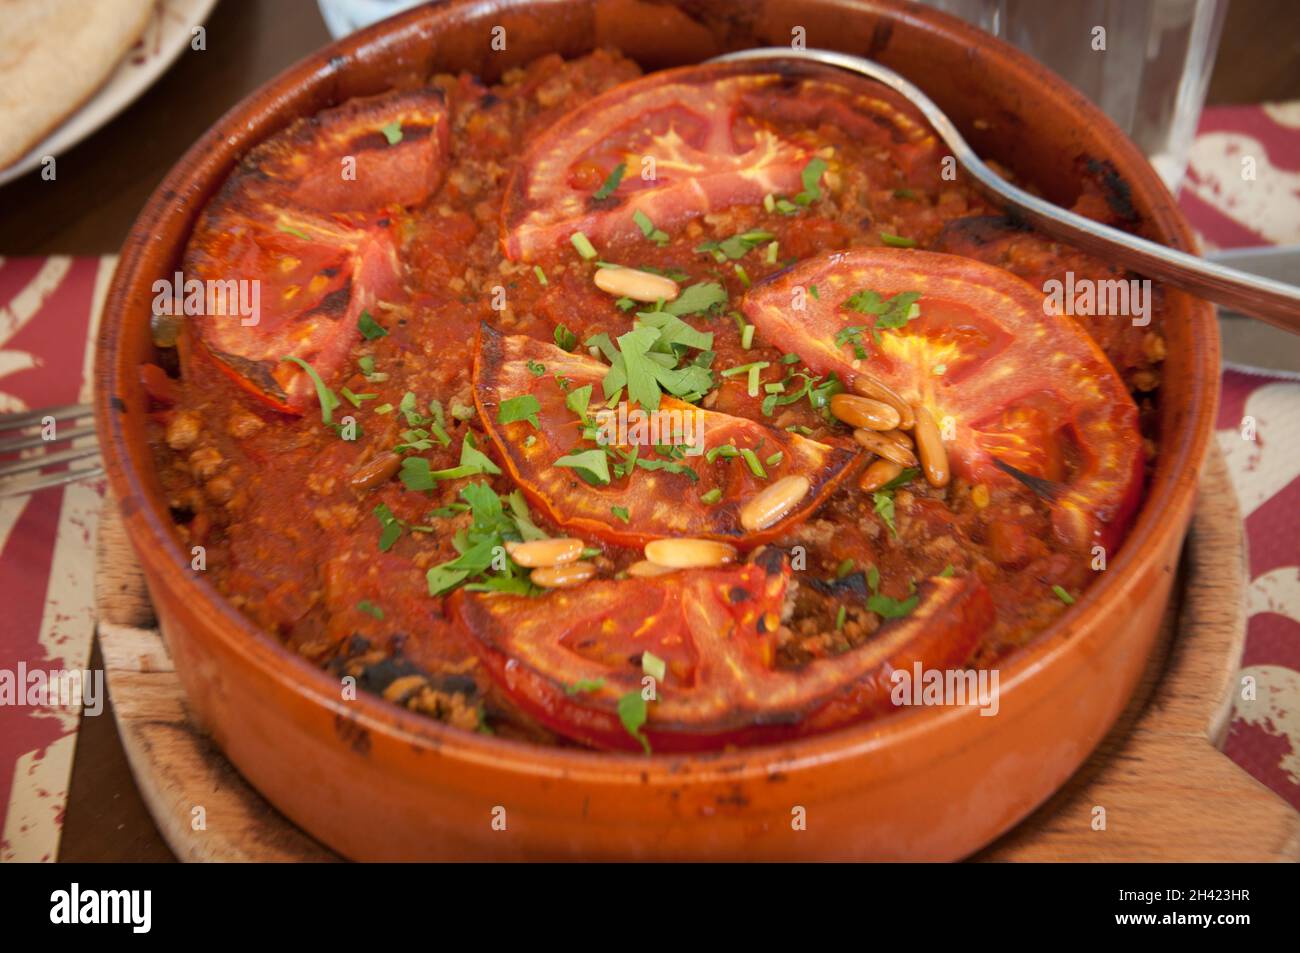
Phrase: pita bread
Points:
(54, 54)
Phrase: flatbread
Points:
(54, 54)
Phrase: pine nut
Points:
(883, 446)
(638, 285)
(773, 502)
(644, 569)
(545, 552)
(900, 438)
(689, 553)
(375, 471)
(562, 577)
(877, 474)
(864, 412)
(929, 445)
(876, 389)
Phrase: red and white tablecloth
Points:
(47, 541)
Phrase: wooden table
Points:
(105, 180)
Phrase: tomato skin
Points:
(721, 134)
(1017, 384)
(715, 629)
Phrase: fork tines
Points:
(38, 448)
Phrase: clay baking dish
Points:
(377, 782)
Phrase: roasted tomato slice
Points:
(691, 141)
(1020, 390)
(369, 153)
(281, 277)
(655, 498)
(567, 657)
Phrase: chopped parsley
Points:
(327, 398)
(897, 241)
(584, 246)
(885, 606)
(565, 339)
(656, 235)
(735, 247)
(370, 609)
(480, 545)
(890, 313)
(889, 608)
(393, 132)
(622, 513)
(646, 364)
(883, 502)
(853, 335)
(811, 179)
(370, 329)
(418, 476)
(1063, 595)
(591, 465)
(390, 528)
(632, 713)
(697, 299)
(905, 477)
(523, 407)
(653, 666)
(611, 183)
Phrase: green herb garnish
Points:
(328, 401)
(523, 407)
(897, 241)
(370, 329)
(811, 179)
(611, 183)
(584, 246)
(632, 713)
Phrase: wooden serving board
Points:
(1168, 792)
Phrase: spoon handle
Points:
(1274, 302)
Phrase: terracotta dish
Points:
(1075, 546)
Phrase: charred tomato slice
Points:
(691, 141)
(569, 657)
(656, 497)
(1018, 393)
(302, 229)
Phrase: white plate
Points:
(347, 16)
(166, 35)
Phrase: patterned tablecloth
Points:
(48, 314)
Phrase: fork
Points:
(28, 460)
(1274, 302)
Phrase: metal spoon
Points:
(1272, 301)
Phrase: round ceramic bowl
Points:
(374, 781)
